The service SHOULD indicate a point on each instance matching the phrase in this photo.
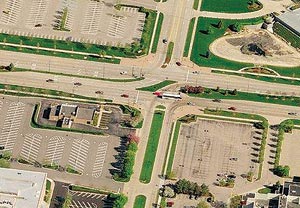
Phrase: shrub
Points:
(282, 171)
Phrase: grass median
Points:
(261, 77)
(230, 6)
(189, 37)
(157, 33)
(173, 147)
(155, 87)
(152, 145)
(140, 201)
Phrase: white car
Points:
(123, 72)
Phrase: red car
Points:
(157, 93)
(125, 95)
(232, 108)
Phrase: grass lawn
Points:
(151, 148)
(282, 100)
(234, 114)
(169, 54)
(264, 191)
(173, 147)
(161, 107)
(47, 191)
(155, 87)
(157, 32)
(140, 201)
(196, 4)
(70, 169)
(189, 37)
(200, 47)
(227, 6)
(261, 78)
(88, 189)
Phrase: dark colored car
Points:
(165, 41)
(178, 63)
(49, 80)
(125, 95)
(99, 92)
(77, 84)
(216, 100)
(232, 108)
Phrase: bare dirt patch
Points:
(256, 46)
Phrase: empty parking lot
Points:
(207, 148)
(89, 21)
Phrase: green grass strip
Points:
(157, 33)
(155, 87)
(151, 148)
(261, 78)
(166, 156)
(173, 147)
(196, 4)
(263, 98)
(189, 37)
(140, 201)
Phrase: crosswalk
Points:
(100, 158)
(55, 149)
(31, 147)
(78, 155)
(11, 125)
(12, 12)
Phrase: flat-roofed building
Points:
(22, 189)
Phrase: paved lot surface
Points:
(86, 20)
(206, 148)
(290, 152)
(89, 154)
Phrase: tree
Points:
(168, 192)
(282, 171)
(287, 126)
(4, 163)
(235, 202)
(234, 92)
(102, 53)
(132, 138)
(207, 55)
(68, 201)
(6, 155)
(119, 200)
(217, 89)
(220, 24)
(204, 189)
(203, 204)
(209, 30)
(236, 27)
(10, 67)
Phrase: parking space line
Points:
(11, 125)
(31, 146)
(100, 159)
(78, 155)
(55, 149)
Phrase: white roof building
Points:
(21, 189)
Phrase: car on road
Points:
(292, 113)
(190, 103)
(77, 84)
(123, 72)
(232, 108)
(99, 92)
(49, 80)
(165, 41)
(178, 63)
(216, 100)
(125, 95)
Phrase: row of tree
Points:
(184, 186)
(192, 89)
(126, 169)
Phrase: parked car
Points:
(292, 113)
(216, 100)
(99, 92)
(77, 84)
(49, 80)
(178, 63)
(232, 108)
(125, 95)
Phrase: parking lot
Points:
(91, 155)
(89, 21)
(208, 148)
(289, 151)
